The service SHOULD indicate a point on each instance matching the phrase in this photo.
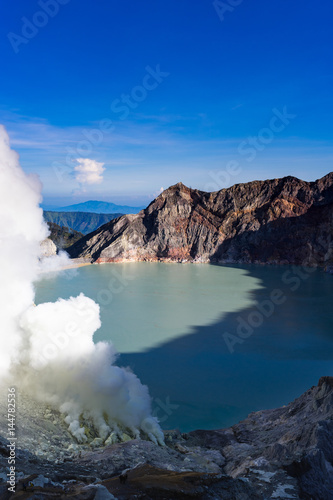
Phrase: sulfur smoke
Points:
(48, 350)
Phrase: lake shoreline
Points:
(81, 262)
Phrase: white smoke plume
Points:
(48, 350)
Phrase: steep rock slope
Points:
(274, 221)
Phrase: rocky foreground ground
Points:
(286, 453)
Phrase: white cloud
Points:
(89, 171)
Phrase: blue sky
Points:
(184, 93)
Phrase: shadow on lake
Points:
(196, 382)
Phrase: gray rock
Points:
(277, 221)
(48, 248)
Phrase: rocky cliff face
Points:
(275, 221)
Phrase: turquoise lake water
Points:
(175, 326)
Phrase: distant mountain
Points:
(98, 207)
(278, 221)
(84, 222)
(63, 237)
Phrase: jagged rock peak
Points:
(326, 381)
(179, 187)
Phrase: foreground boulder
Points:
(282, 221)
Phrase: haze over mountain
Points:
(282, 221)
(97, 207)
(84, 222)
